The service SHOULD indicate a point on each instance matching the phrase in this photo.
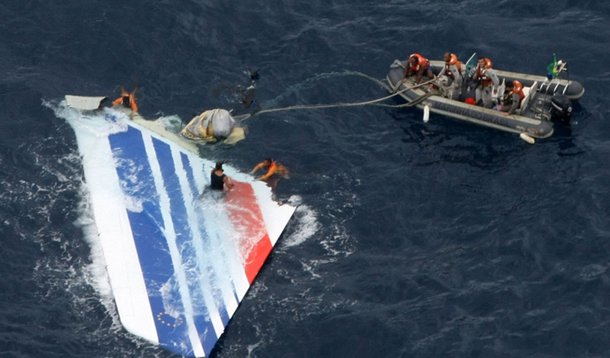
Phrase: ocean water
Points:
(412, 239)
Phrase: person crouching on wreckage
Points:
(213, 125)
(127, 99)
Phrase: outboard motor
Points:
(561, 108)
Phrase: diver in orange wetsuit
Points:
(127, 99)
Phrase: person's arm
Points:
(494, 78)
(457, 76)
(513, 107)
(420, 74)
(257, 167)
(117, 101)
(228, 183)
(475, 73)
(270, 172)
(134, 104)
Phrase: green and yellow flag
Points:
(551, 69)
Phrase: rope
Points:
(415, 102)
(351, 104)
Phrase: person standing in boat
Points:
(418, 65)
(487, 81)
(512, 99)
(453, 75)
(218, 179)
(127, 99)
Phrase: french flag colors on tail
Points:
(180, 259)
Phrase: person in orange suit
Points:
(127, 99)
(418, 65)
(274, 170)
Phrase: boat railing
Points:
(531, 92)
(553, 84)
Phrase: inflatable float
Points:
(179, 259)
(546, 100)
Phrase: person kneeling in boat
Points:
(418, 65)
(210, 126)
(218, 179)
(487, 81)
(450, 77)
(275, 171)
(127, 99)
(512, 99)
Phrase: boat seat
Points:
(529, 93)
(499, 91)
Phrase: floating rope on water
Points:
(372, 102)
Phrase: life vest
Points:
(481, 73)
(482, 77)
(421, 61)
(128, 100)
(518, 89)
(272, 169)
(452, 61)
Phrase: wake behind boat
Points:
(545, 99)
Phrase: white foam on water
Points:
(95, 272)
(307, 223)
(172, 123)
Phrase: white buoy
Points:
(426, 113)
(527, 138)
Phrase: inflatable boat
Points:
(546, 100)
(179, 258)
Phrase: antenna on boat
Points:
(467, 64)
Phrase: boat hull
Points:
(534, 120)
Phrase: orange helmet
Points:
(486, 63)
(517, 86)
(453, 59)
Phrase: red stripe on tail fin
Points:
(247, 218)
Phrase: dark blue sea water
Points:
(412, 240)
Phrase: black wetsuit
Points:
(217, 181)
